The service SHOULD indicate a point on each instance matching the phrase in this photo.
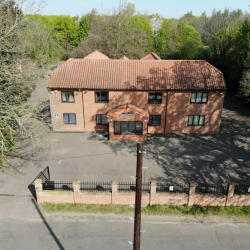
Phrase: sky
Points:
(166, 8)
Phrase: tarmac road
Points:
(34, 230)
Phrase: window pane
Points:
(66, 118)
(97, 96)
(117, 128)
(150, 122)
(63, 96)
(190, 119)
(196, 120)
(138, 127)
(199, 96)
(157, 120)
(159, 96)
(104, 119)
(204, 97)
(98, 119)
(155, 98)
(151, 96)
(131, 127)
(72, 118)
(71, 96)
(201, 121)
(193, 97)
(124, 127)
(105, 96)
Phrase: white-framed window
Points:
(196, 120)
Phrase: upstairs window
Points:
(101, 120)
(199, 97)
(155, 98)
(196, 120)
(101, 96)
(67, 96)
(69, 118)
(154, 120)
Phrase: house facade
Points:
(131, 98)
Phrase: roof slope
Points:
(124, 58)
(96, 55)
(151, 56)
(136, 74)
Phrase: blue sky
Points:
(166, 8)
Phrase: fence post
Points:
(152, 192)
(76, 190)
(114, 192)
(191, 193)
(230, 193)
(39, 189)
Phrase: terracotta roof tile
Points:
(124, 58)
(136, 74)
(151, 56)
(96, 55)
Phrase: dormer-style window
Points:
(101, 96)
(67, 96)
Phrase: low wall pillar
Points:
(230, 193)
(114, 194)
(191, 193)
(152, 198)
(76, 190)
(39, 189)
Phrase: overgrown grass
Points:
(149, 210)
(8, 151)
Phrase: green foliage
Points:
(189, 41)
(189, 18)
(66, 30)
(149, 210)
(84, 26)
(244, 86)
(122, 33)
(177, 41)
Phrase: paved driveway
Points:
(174, 157)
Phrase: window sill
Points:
(154, 102)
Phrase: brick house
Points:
(131, 98)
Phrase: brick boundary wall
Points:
(128, 197)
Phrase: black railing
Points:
(131, 186)
(44, 176)
(242, 189)
(95, 186)
(58, 185)
(213, 189)
(172, 188)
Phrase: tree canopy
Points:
(31, 42)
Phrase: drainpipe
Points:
(166, 113)
(83, 111)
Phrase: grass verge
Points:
(149, 210)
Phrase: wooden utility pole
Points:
(137, 224)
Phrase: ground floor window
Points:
(196, 120)
(101, 120)
(69, 118)
(154, 120)
(128, 128)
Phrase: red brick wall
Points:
(128, 197)
(179, 107)
(119, 97)
(58, 107)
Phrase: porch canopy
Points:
(128, 121)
